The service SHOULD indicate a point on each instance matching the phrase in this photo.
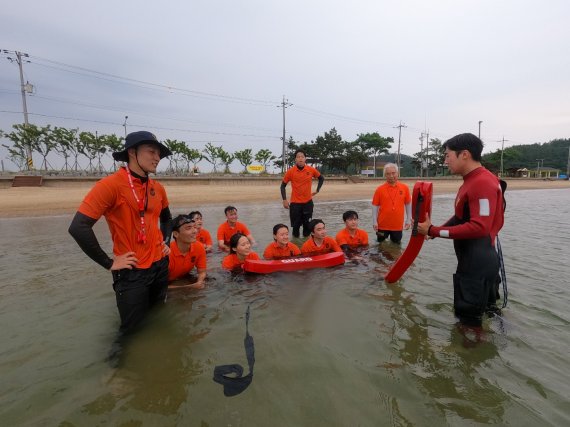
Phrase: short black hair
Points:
(193, 214)
(314, 222)
(234, 241)
(180, 220)
(298, 150)
(277, 227)
(229, 208)
(349, 215)
(465, 141)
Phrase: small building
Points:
(544, 172)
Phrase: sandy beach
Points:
(64, 198)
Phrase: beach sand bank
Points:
(64, 198)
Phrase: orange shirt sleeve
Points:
(200, 256)
(100, 198)
(268, 252)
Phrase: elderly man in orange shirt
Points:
(388, 205)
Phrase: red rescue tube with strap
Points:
(293, 264)
(421, 205)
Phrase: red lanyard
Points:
(141, 235)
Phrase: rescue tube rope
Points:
(503, 273)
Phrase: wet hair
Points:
(297, 151)
(180, 220)
(349, 215)
(465, 141)
(234, 241)
(313, 223)
(390, 165)
(229, 208)
(194, 214)
(278, 227)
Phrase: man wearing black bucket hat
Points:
(132, 204)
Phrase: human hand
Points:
(126, 260)
(285, 204)
(314, 193)
(375, 226)
(423, 227)
(165, 249)
(407, 225)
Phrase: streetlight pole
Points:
(125, 125)
(480, 121)
(538, 171)
(502, 151)
(400, 126)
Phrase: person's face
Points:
(391, 175)
(198, 220)
(232, 216)
(351, 223)
(282, 236)
(300, 160)
(147, 156)
(187, 233)
(243, 247)
(453, 161)
(320, 231)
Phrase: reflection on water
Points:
(333, 347)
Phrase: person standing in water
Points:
(301, 206)
(390, 201)
(479, 215)
(133, 204)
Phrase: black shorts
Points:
(395, 236)
(300, 215)
(137, 290)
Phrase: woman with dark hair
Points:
(240, 250)
(281, 246)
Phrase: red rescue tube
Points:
(421, 205)
(293, 264)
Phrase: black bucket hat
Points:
(134, 139)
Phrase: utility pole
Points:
(502, 151)
(284, 104)
(400, 126)
(427, 153)
(568, 165)
(422, 154)
(480, 121)
(24, 88)
(125, 125)
(538, 172)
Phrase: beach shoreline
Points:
(62, 198)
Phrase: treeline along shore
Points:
(62, 195)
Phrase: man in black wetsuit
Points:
(479, 215)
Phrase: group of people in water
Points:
(151, 250)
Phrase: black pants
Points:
(476, 282)
(137, 290)
(395, 236)
(300, 215)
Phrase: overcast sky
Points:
(359, 66)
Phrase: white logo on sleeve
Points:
(484, 209)
(444, 233)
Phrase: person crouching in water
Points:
(351, 236)
(186, 253)
(240, 250)
(319, 243)
(281, 247)
(203, 235)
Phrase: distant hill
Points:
(553, 154)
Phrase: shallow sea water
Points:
(333, 347)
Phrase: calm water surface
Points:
(334, 347)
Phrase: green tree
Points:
(245, 157)
(191, 155)
(375, 144)
(22, 137)
(226, 158)
(264, 156)
(212, 155)
(65, 144)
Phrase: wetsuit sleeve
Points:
(283, 193)
(375, 210)
(320, 184)
(482, 200)
(81, 229)
(166, 224)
